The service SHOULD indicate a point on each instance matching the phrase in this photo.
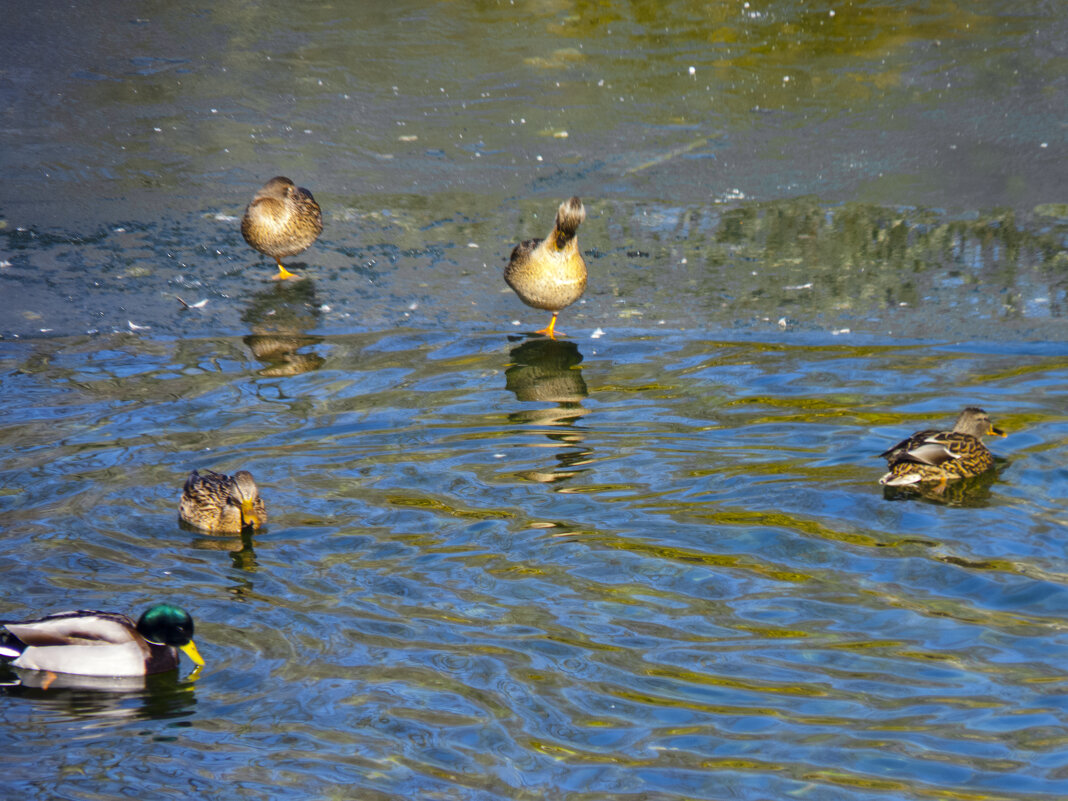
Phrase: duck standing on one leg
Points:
(282, 220)
(938, 456)
(550, 273)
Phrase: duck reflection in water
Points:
(242, 554)
(972, 492)
(242, 557)
(547, 370)
(160, 696)
(279, 316)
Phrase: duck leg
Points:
(283, 273)
(550, 329)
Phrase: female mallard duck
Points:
(934, 455)
(89, 643)
(550, 273)
(282, 220)
(217, 502)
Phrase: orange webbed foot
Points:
(550, 329)
(284, 274)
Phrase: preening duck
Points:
(550, 273)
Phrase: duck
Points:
(550, 273)
(217, 502)
(282, 220)
(934, 455)
(92, 643)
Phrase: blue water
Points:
(674, 576)
(650, 560)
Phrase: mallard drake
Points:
(550, 273)
(217, 502)
(282, 220)
(90, 643)
(934, 455)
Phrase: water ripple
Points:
(695, 575)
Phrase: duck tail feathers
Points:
(893, 480)
(569, 217)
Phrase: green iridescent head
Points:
(167, 624)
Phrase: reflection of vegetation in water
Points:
(799, 259)
(772, 54)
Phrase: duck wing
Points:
(915, 441)
(933, 448)
(80, 627)
(208, 488)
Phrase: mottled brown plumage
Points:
(282, 220)
(217, 502)
(550, 273)
(934, 455)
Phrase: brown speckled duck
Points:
(550, 273)
(216, 502)
(282, 220)
(934, 455)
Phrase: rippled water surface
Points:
(649, 560)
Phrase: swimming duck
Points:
(217, 502)
(934, 455)
(282, 220)
(91, 643)
(550, 273)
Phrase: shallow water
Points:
(650, 560)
